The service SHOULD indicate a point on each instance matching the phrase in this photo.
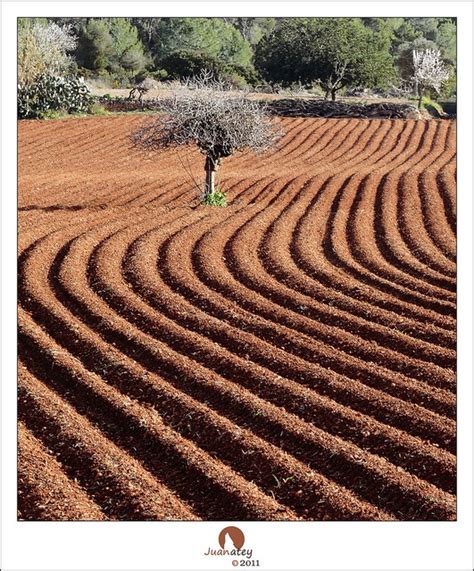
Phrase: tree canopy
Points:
(336, 52)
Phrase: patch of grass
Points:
(97, 109)
(53, 114)
(216, 198)
(433, 107)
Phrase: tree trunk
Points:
(333, 95)
(211, 167)
(420, 97)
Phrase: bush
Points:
(98, 109)
(216, 198)
(53, 93)
(246, 74)
(158, 75)
(182, 64)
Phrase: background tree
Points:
(253, 29)
(336, 52)
(429, 71)
(96, 45)
(111, 45)
(203, 113)
(206, 36)
(43, 48)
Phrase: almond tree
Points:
(203, 112)
(430, 71)
(43, 49)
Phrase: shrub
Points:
(97, 109)
(183, 64)
(43, 48)
(53, 93)
(216, 198)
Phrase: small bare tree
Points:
(430, 71)
(203, 112)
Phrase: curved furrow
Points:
(140, 432)
(114, 408)
(141, 352)
(371, 249)
(327, 142)
(402, 245)
(324, 145)
(289, 357)
(295, 329)
(434, 214)
(435, 227)
(44, 490)
(417, 239)
(188, 316)
(312, 246)
(118, 484)
(234, 254)
(162, 306)
(446, 182)
(380, 251)
(84, 347)
(275, 253)
(338, 250)
(355, 185)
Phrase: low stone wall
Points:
(292, 108)
(339, 109)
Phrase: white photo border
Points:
(277, 545)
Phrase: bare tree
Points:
(203, 112)
(430, 71)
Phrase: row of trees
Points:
(334, 53)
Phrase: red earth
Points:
(289, 357)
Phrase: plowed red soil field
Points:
(289, 357)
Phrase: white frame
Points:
(279, 545)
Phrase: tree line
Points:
(332, 53)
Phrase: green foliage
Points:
(216, 198)
(206, 36)
(52, 93)
(446, 40)
(51, 115)
(97, 109)
(337, 52)
(111, 45)
(186, 63)
(448, 88)
(431, 106)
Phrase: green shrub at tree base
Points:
(216, 198)
(51, 93)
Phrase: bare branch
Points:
(202, 111)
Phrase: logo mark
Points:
(235, 534)
(231, 542)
